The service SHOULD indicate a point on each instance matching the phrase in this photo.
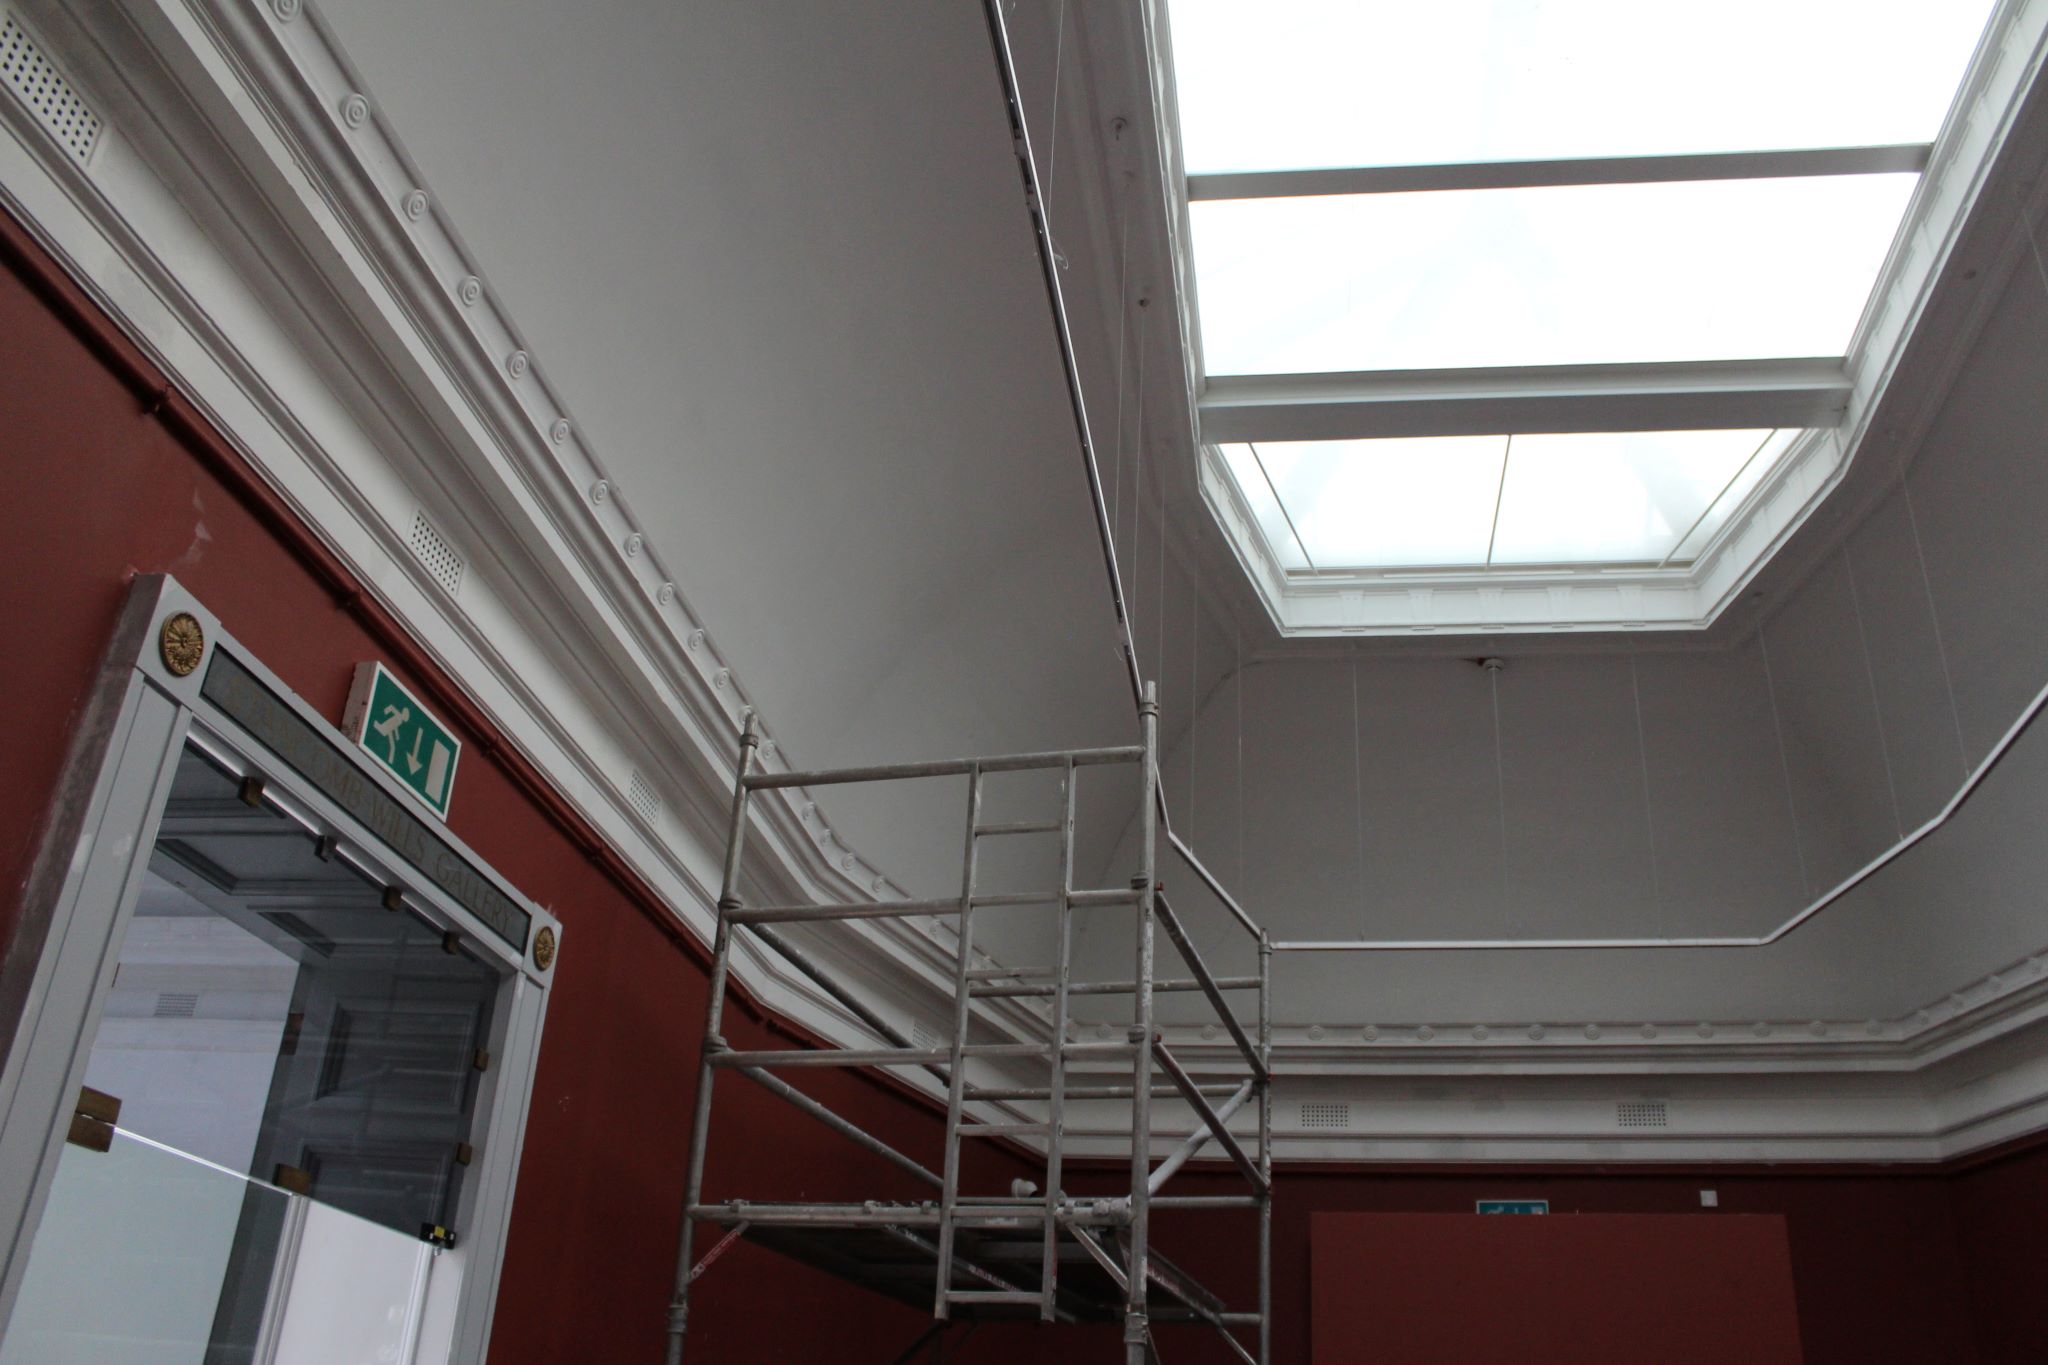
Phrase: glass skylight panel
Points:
(1613, 497)
(1389, 503)
(1735, 495)
(1287, 84)
(1700, 270)
(1475, 502)
(1257, 490)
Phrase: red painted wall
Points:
(1877, 1270)
(1577, 1289)
(2001, 1210)
(1886, 1268)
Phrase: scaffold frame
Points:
(982, 1263)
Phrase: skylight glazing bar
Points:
(1281, 502)
(1708, 510)
(1596, 170)
(1667, 396)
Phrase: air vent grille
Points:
(1642, 1114)
(644, 799)
(925, 1037)
(47, 94)
(1325, 1114)
(176, 1004)
(437, 554)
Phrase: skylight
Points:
(1286, 84)
(1580, 274)
(1650, 499)
(1414, 229)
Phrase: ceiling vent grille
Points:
(1325, 1114)
(436, 553)
(1642, 1114)
(29, 74)
(926, 1038)
(177, 1004)
(643, 798)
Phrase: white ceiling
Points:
(777, 259)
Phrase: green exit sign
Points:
(1514, 1206)
(391, 726)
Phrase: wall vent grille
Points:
(1325, 1114)
(644, 799)
(1642, 1114)
(923, 1036)
(436, 553)
(176, 1004)
(29, 74)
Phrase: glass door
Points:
(295, 1050)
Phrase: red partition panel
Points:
(1570, 1289)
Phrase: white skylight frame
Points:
(1832, 397)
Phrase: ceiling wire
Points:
(1500, 778)
(1159, 479)
(1940, 642)
(1784, 762)
(1123, 316)
(1052, 156)
(1884, 748)
(1194, 701)
(1635, 684)
(1358, 792)
(1237, 648)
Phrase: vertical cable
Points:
(1940, 644)
(1635, 684)
(1237, 648)
(1159, 478)
(1194, 699)
(1785, 762)
(1052, 156)
(1358, 792)
(1123, 316)
(1500, 778)
(1884, 748)
(1138, 484)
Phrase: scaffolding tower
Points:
(976, 1257)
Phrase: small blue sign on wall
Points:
(1514, 1206)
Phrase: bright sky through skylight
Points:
(1655, 270)
(1603, 498)
(1287, 84)
(1701, 270)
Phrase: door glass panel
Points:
(147, 1256)
(133, 1257)
(269, 1011)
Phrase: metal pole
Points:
(1266, 1149)
(1137, 1333)
(1197, 1140)
(1048, 1270)
(700, 1123)
(956, 1086)
(1077, 397)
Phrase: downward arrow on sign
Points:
(412, 760)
